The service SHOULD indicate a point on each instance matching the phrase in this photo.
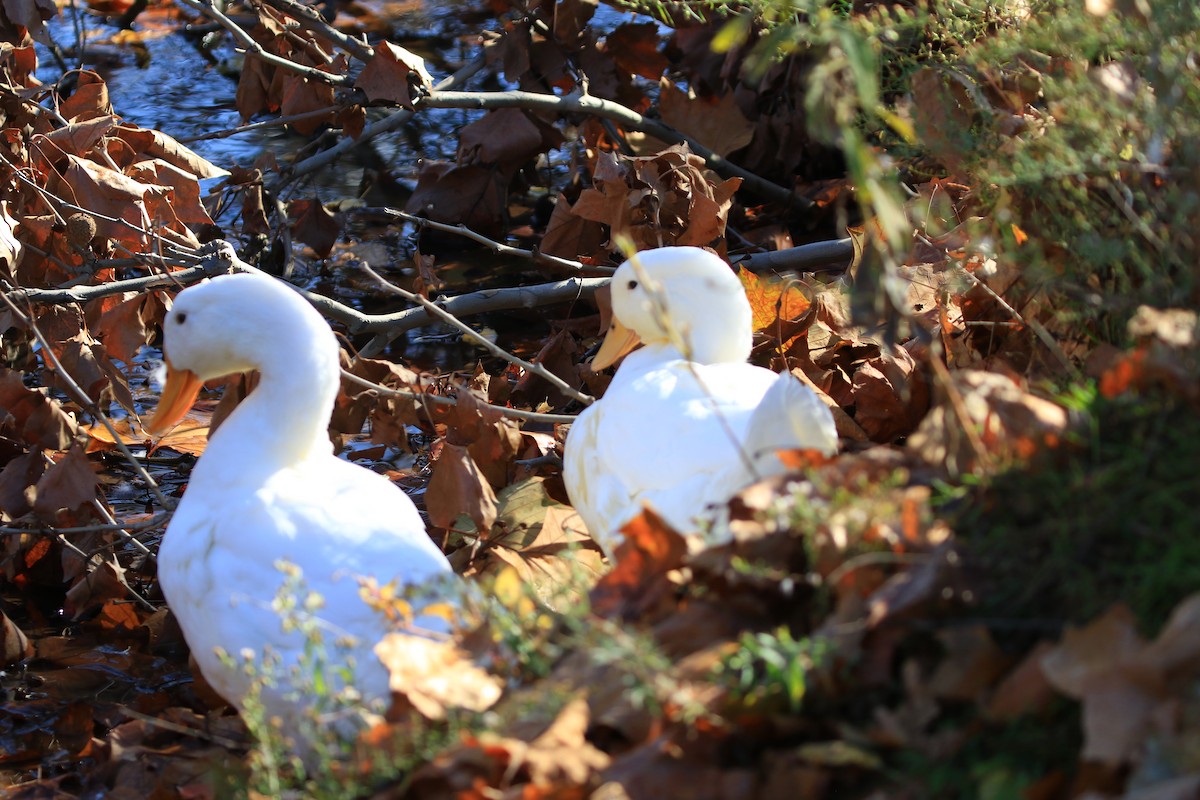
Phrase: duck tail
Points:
(790, 417)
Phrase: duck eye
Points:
(632, 285)
(180, 318)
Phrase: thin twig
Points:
(578, 103)
(515, 413)
(1038, 329)
(374, 129)
(269, 123)
(109, 519)
(255, 50)
(487, 344)
(308, 18)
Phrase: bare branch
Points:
(491, 347)
(82, 294)
(423, 397)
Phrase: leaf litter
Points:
(853, 631)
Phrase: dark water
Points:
(179, 92)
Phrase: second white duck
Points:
(686, 421)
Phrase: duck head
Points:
(237, 323)
(684, 297)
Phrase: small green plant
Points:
(770, 670)
(312, 753)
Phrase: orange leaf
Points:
(651, 549)
(772, 300)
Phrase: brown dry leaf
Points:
(470, 195)
(17, 480)
(30, 14)
(569, 235)
(634, 48)
(718, 125)
(314, 225)
(14, 646)
(183, 206)
(436, 675)
(570, 20)
(302, 95)
(562, 756)
(113, 195)
(972, 664)
(657, 200)
(1099, 665)
(391, 74)
(1008, 423)
(544, 541)
(90, 99)
(121, 327)
(67, 486)
(1024, 690)
(158, 145)
(458, 487)
(651, 548)
(77, 138)
(40, 419)
(558, 355)
(96, 588)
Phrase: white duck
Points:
(269, 488)
(686, 422)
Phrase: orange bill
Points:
(618, 342)
(178, 395)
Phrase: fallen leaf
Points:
(1008, 424)
(773, 300)
(14, 646)
(436, 675)
(392, 74)
(717, 124)
(458, 487)
(314, 225)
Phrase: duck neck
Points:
(283, 422)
